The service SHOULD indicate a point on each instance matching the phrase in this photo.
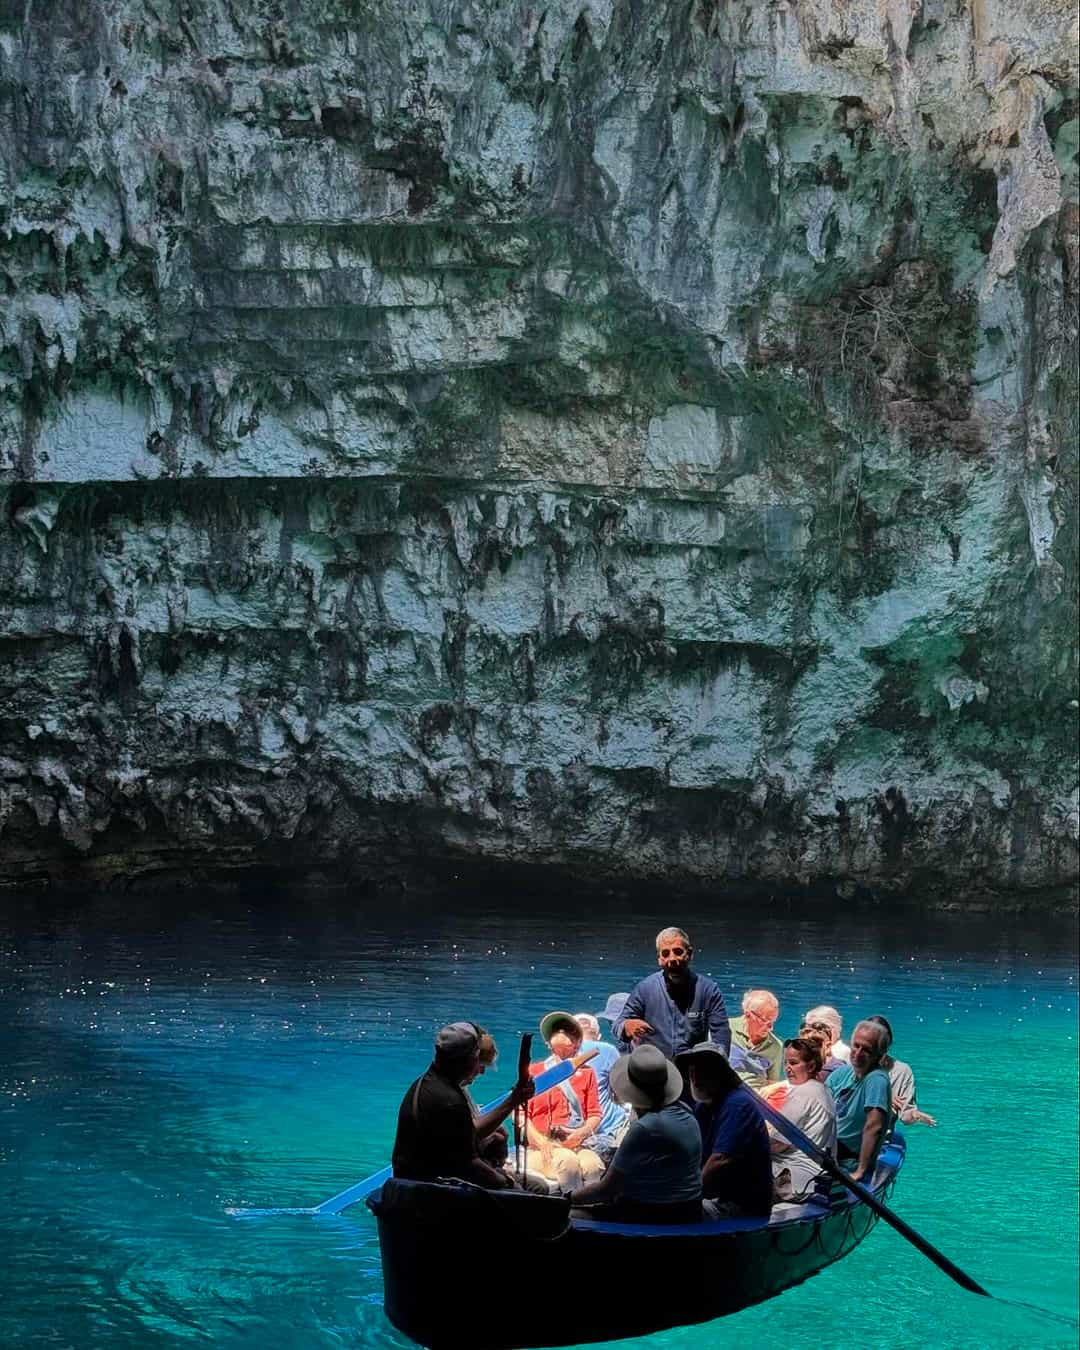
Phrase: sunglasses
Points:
(674, 951)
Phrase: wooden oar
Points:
(521, 1119)
(548, 1079)
(794, 1135)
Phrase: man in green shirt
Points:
(756, 1054)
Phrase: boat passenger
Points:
(756, 1053)
(493, 1145)
(809, 1104)
(561, 1120)
(655, 1175)
(674, 1008)
(736, 1174)
(824, 1012)
(615, 1117)
(863, 1100)
(613, 1008)
(822, 1036)
(436, 1130)
(902, 1082)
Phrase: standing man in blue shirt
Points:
(675, 1008)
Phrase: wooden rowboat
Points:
(448, 1250)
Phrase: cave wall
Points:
(637, 439)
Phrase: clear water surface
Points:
(161, 1060)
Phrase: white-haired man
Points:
(832, 1019)
(902, 1082)
(756, 1053)
(675, 1008)
(615, 1116)
(863, 1100)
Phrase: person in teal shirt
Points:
(863, 1100)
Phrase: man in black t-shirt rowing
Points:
(436, 1131)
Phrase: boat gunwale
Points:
(890, 1161)
(814, 1212)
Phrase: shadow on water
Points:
(115, 1233)
(95, 1134)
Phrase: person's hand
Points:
(522, 1091)
(913, 1116)
(636, 1027)
(547, 1153)
(857, 1175)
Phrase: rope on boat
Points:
(817, 1239)
(848, 1232)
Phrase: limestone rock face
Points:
(635, 438)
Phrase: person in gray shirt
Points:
(655, 1175)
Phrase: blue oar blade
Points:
(360, 1191)
(239, 1212)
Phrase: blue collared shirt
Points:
(674, 1031)
(615, 1115)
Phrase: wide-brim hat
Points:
(707, 1049)
(645, 1078)
(552, 1022)
(613, 1008)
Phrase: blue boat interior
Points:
(889, 1163)
(784, 1215)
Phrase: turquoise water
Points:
(163, 1060)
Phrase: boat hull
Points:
(461, 1267)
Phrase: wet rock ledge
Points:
(632, 442)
